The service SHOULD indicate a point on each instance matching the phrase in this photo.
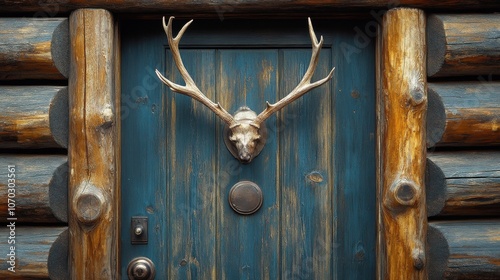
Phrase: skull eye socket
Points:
(233, 138)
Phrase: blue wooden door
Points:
(316, 172)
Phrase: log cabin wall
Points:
(463, 135)
(34, 65)
(462, 169)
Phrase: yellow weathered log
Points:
(402, 150)
(93, 160)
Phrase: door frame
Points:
(94, 140)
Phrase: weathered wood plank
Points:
(402, 154)
(463, 114)
(465, 183)
(33, 117)
(41, 186)
(461, 45)
(34, 48)
(93, 194)
(36, 252)
(226, 7)
(466, 249)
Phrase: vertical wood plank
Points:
(306, 171)
(191, 189)
(403, 95)
(93, 194)
(143, 136)
(248, 245)
(354, 154)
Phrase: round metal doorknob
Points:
(141, 268)
(245, 197)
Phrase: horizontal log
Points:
(39, 252)
(34, 48)
(463, 45)
(465, 183)
(38, 188)
(220, 8)
(463, 114)
(464, 249)
(33, 117)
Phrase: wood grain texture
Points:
(317, 218)
(463, 114)
(465, 183)
(41, 188)
(403, 96)
(463, 45)
(34, 48)
(34, 256)
(33, 117)
(232, 6)
(93, 194)
(465, 249)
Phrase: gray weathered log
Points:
(463, 45)
(466, 249)
(41, 188)
(33, 117)
(465, 183)
(40, 253)
(224, 8)
(34, 48)
(463, 114)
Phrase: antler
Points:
(305, 84)
(190, 89)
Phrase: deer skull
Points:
(245, 132)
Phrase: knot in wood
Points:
(402, 194)
(418, 258)
(417, 96)
(89, 204)
(107, 117)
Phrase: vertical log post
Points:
(93, 136)
(402, 145)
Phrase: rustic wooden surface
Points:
(402, 152)
(93, 193)
(33, 48)
(463, 45)
(33, 117)
(317, 171)
(463, 114)
(34, 254)
(227, 7)
(41, 188)
(466, 249)
(465, 183)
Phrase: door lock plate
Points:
(139, 230)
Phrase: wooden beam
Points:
(463, 114)
(402, 151)
(39, 252)
(93, 189)
(464, 183)
(41, 188)
(218, 8)
(34, 48)
(33, 117)
(463, 45)
(467, 249)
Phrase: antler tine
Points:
(190, 89)
(305, 84)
